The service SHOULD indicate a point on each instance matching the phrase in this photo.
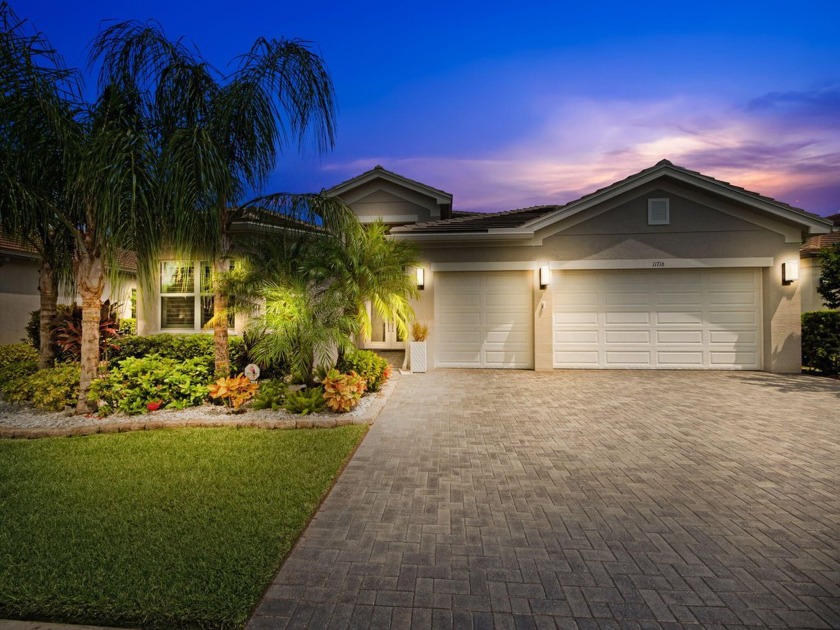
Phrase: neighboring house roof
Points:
(440, 196)
(541, 216)
(21, 249)
(812, 246)
(16, 247)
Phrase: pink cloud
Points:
(583, 144)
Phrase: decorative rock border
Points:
(148, 424)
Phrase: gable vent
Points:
(659, 212)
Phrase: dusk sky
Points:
(507, 105)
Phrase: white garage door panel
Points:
(671, 319)
(484, 319)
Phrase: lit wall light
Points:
(790, 271)
(545, 276)
(421, 278)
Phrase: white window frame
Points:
(195, 294)
(667, 220)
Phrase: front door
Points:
(384, 334)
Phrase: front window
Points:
(186, 295)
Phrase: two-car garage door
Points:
(658, 319)
(640, 319)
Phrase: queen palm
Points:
(32, 82)
(225, 131)
(167, 148)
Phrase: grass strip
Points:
(180, 528)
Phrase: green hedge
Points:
(135, 382)
(180, 348)
(821, 341)
(52, 389)
(16, 361)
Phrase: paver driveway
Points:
(580, 499)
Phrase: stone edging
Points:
(301, 422)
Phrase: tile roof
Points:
(18, 247)
(813, 245)
(127, 259)
(479, 222)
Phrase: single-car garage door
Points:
(658, 319)
(484, 319)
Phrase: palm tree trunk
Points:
(48, 289)
(90, 278)
(221, 349)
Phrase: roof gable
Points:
(525, 222)
(377, 172)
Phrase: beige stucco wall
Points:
(19, 297)
(697, 231)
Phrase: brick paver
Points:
(577, 499)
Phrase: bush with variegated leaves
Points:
(342, 392)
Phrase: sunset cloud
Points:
(779, 144)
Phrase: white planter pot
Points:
(417, 356)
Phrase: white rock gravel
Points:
(25, 416)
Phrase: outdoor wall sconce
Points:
(545, 276)
(421, 278)
(790, 271)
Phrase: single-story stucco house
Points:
(665, 269)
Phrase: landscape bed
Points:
(181, 528)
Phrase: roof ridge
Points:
(380, 169)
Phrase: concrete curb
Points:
(300, 422)
(11, 624)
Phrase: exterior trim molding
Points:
(663, 263)
(390, 218)
(524, 265)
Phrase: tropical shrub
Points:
(305, 401)
(135, 382)
(821, 341)
(66, 330)
(16, 361)
(178, 347)
(370, 366)
(271, 395)
(342, 392)
(234, 391)
(68, 333)
(51, 389)
(128, 326)
(829, 286)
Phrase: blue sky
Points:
(507, 105)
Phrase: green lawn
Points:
(159, 528)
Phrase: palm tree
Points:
(226, 131)
(104, 185)
(33, 85)
(315, 286)
(168, 148)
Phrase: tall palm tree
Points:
(105, 163)
(225, 131)
(36, 93)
